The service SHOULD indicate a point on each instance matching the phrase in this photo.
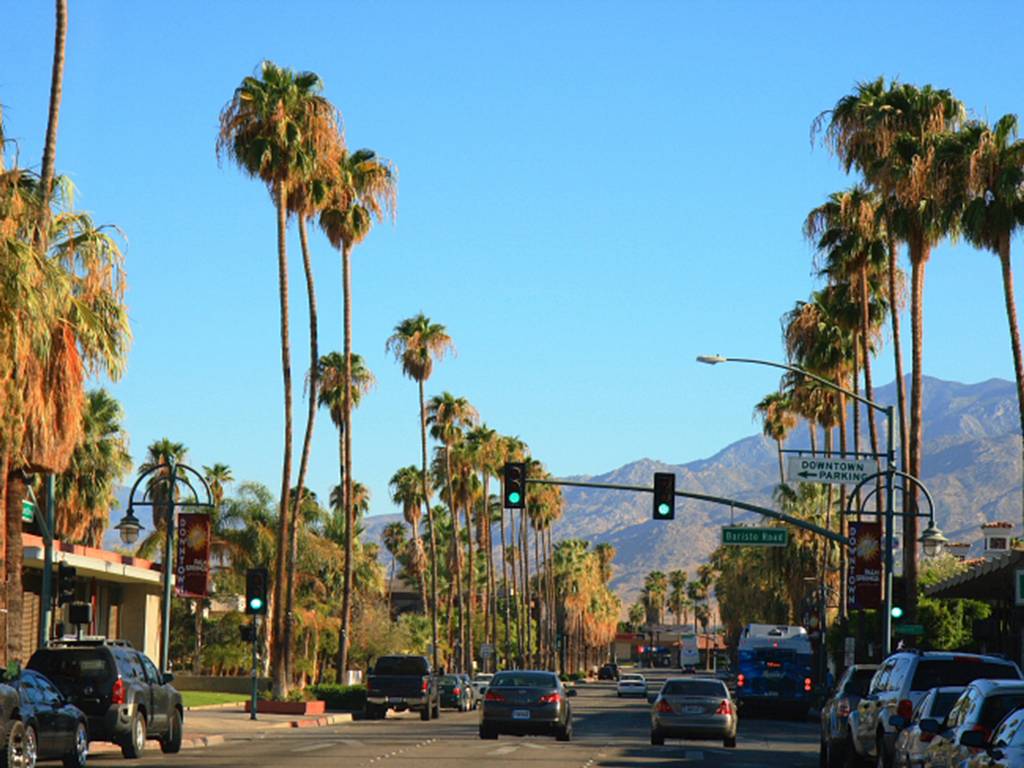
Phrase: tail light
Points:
(117, 693)
(493, 696)
(740, 680)
(807, 685)
(843, 708)
(725, 708)
(426, 684)
(905, 709)
(551, 698)
(664, 707)
(456, 691)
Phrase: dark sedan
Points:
(835, 713)
(456, 693)
(47, 726)
(524, 703)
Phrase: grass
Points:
(204, 698)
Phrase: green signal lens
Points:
(663, 509)
(255, 604)
(514, 497)
(896, 612)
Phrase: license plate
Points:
(693, 710)
(396, 700)
(773, 675)
(770, 693)
(520, 714)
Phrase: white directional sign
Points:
(816, 469)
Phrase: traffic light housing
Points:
(256, 591)
(664, 496)
(66, 583)
(248, 633)
(515, 485)
(896, 612)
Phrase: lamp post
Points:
(890, 467)
(172, 475)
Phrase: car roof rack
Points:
(72, 641)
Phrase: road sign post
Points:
(742, 535)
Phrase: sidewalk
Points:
(210, 727)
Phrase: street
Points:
(609, 732)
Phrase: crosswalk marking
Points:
(311, 747)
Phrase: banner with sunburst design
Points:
(864, 585)
(192, 566)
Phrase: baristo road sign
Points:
(813, 469)
(756, 537)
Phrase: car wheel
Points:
(488, 733)
(79, 753)
(15, 755)
(425, 713)
(657, 738)
(564, 733)
(729, 742)
(171, 743)
(437, 710)
(133, 747)
(880, 761)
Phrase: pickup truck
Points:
(400, 683)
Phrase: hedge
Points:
(340, 697)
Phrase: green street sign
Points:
(909, 629)
(741, 535)
(28, 511)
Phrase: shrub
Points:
(344, 697)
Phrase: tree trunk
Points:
(457, 551)
(524, 543)
(1011, 316)
(339, 664)
(347, 500)
(504, 575)
(897, 347)
(4, 471)
(918, 261)
(17, 489)
(470, 587)
(782, 473)
(430, 524)
(48, 169)
(865, 345)
(280, 645)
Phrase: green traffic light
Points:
(256, 603)
(663, 509)
(514, 497)
(896, 612)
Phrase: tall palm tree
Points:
(216, 476)
(677, 597)
(85, 490)
(656, 586)
(485, 451)
(364, 190)
(161, 454)
(416, 343)
(406, 487)
(988, 163)
(48, 169)
(275, 127)
(393, 537)
(777, 421)
(447, 416)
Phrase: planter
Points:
(288, 707)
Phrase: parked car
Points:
(400, 683)
(980, 708)
(480, 683)
(527, 702)
(608, 672)
(48, 727)
(912, 742)
(694, 708)
(900, 683)
(1006, 749)
(835, 712)
(631, 685)
(456, 693)
(125, 698)
(474, 699)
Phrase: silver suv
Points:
(902, 680)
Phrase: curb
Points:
(226, 705)
(318, 722)
(191, 742)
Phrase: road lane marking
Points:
(503, 750)
(311, 747)
(531, 745)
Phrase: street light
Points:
(129, 527)
(933, 541)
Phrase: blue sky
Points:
(591, 194)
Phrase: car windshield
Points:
(932, 673)
(631, 679)
(401, 665)
(999, 705)
(523, 680)
(859, 681)
(71, 665)
(449, 681)
(943, 702)
(693, 688)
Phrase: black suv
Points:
(122, 693)
(608, 672)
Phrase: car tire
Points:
(437, 710)
(850, 759)
(135, 744)
(171, 743)
(657, 738)
(79, 753)
(564, 732)
(880, 761)
(729, 742)
(488, 733)
(425, 713)
(13, 750)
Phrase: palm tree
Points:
(161, 454)
(48, 169)
(777, 421)
(275, 128)
(989, 161)
(216, 476)
(416, 343)
(677, 598)
(485, 449)
(85, 490)
(364, 190)
(637, 616)
(406, 487)
(393, 537)
(656, 587)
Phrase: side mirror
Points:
(975, 739)
(898, 722)
(168, 678)
(930, 725)
(571, 692)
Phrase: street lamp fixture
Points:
(712, 359)
(933, 541)
(129, 528)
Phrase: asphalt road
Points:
(609, 733)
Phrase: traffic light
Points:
(896, 612)
(664, 496)
(256, 591)
(65, 583)
(515, 485)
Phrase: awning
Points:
(989, 581)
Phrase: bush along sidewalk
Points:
(345, 698)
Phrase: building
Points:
(124, 592)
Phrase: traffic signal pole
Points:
(255, 667)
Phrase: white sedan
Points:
(480, 683)
(632, 685)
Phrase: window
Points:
(858, 682)
(899, 673)
(70, 665)
(999, 705)
(933, 673)
(401, 665)
(46, 690)
(524, 680)
(998, 542)
(152, 673)
(694, 688)
(956, 714)
(942, 703)
(881, 678)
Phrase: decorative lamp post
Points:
(129, 527)
(933, 541)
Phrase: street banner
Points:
(192, 564)
(864, 570)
